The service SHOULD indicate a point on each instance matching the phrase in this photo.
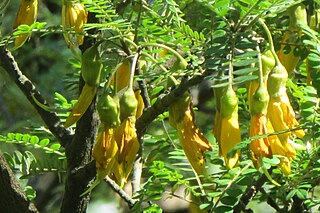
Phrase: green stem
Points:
(160, 65)
(261, 80)
(167, 48)
(271, 46)
(131, 42)
(133, 68)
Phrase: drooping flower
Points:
(285, 151)
(282, 117)
(27, 15)
(280, 111)
(193, 142)
(74, 16)
(128, 147)
(105, 150)
(260, 147)
(226, 129)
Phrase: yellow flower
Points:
(193, 142)
(285, 150)
(27, 15)
(104, 151)
(260, 147)
(128, 147)
(282, 117)
(84, 101)
(226, 129)
(74, 16)
(229, 137)
(140, 106)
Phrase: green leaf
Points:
(205, 206)
(30, 192)
(44, 142)
(229, 200)
(223, 209)
(34, 140)
(55, 146)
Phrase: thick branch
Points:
(8, 63)
(12, 197)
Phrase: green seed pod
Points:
(108, 109)
(277, 81)
(128, 104)
(91, 66)
(259, 101)
(229, 103)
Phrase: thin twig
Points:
(120, 192)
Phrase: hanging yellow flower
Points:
(74, 16)
(282, 117)
(105, 150)
(128, 147)
(280, 111)
(226, 130)
(193, 142)
(260, 147)
(27, 15)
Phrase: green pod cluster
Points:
(128, 104)
(259, 101)
(228, 102)
(91, 66)
(277, 81)
(108, 109)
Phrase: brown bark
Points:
(12, 197)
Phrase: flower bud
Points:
(108, 110)
(128, 104)
(91, 66)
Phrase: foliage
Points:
(221, 42)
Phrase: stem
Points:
(160, 65)
(133, 68)
(154, 61)
(231, 182)
(261, 80)
(247, 14)
(271, 46)
(167, 48)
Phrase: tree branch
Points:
(8, 63)
(12, 197)
(120, 192)
(250, 192)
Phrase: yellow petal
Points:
(230, 136)
(140, 107)
(104, 151)
(259, 147)
(84, 101)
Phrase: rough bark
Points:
(8, 63)
(12, 197)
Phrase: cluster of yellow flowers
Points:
(117, 142)
(74, 16)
